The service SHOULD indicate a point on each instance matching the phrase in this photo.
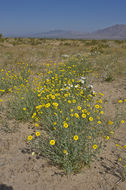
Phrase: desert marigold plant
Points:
(73, 121)
(67, 114)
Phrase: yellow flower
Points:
(79, 107)
(69, 101)
(65, 95)
(10, 90)
(1, 100)
(36, 119)
(95, 146)
(94, 93)
(54, 128)
(124, 100)
(71, 114)
(76, 115)
(55, 104)
(90, 95)
(98, 117)
(24, 109)
(52, 142)
(47, 105)
(75, 137)
(117, 145)
(90, 118)
(88, 113)
(100, 101)
(37, 133)
(84, 111)
(29, 138)
(36, 125)
(2, 90)
(119, 159)
(72, 80)
(71, 110)
(120, 101)
(53, 97)
(124, 146)
(99, 122)
(34, 114)
(84, 115)
(102, 112)
(111, 132)
(107, 137)
(65, 152)
(54, 123)
(97, 106)
(74, 101)
(39, 107)
(101, 94)
(89, 137)
(110, 122)
(122, 121)
(65, 125)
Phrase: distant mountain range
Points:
(60, 34)
(117, 31)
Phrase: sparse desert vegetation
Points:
(63, 109)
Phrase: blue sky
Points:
(34, 16)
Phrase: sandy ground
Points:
(22, 171)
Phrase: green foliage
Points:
(35, 41)
(119, 41)
(92, 42)
(109, 77)
(10, 79)
(96, 50)
(73, 123)
(22, 105)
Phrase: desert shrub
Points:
(72, 119)
(104, 41)
(22, 104)
(109, 77)
(102, 45)
(67, 44)
(68, 115)
(35, 41)
(10, 78)
(92, 42)
(96, 50)
(119, 41)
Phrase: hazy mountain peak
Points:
(117, 31)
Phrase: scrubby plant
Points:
(22, 104)
(69, 120)
(11, 79)
(67, 114)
